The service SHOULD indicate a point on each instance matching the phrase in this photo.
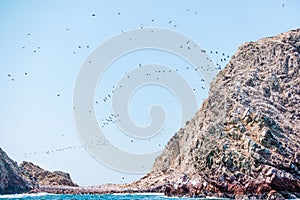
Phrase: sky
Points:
(44, 44)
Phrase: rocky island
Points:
(26, 177)
(244, 141)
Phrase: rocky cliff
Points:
(16, 179)
(11, 180)
(43, 177)
(245, 140)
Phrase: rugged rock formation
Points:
(11, 180)
(43, 177)
(245, 140)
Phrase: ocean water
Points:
(45, 196)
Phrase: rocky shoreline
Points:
(103, 189)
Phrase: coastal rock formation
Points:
(36, 174)
(245, 140)
(11, 180)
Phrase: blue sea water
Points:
(45, 196)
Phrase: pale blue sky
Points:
(40, 37)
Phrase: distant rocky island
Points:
(15, 179)
(243, 143)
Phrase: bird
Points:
(8, 75)
(170, 21)
(93, 15)
(119, 13)
(25, 73)
(58, 95)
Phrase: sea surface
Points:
(45, 196)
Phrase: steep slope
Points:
(11, 180)
(43, 177)
(245, 140)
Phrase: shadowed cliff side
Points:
(11, 180)
(245, 140)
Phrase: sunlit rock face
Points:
(43, 177)
(245, 140)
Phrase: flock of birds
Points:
(114, 118)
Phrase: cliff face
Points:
(16, 179)
(11, 180)
(246, 137)
(43, 177)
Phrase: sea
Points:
(139, 196)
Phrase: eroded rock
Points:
(245, 140)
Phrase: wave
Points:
(15, 196)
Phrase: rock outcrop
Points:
(36, 174)
(245, 140)
(11, 180)
(27, 177)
